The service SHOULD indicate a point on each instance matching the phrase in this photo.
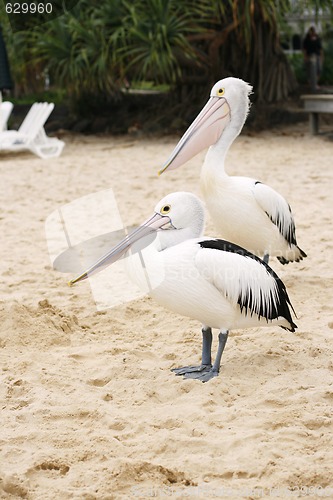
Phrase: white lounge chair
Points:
(5, 110)
(31, 134)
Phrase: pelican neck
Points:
(214, 160)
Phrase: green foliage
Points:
(95, 47)
(57, 96)
(155, 38)
(18, 56)
(327, 74)
(74, 51)
(150, 85)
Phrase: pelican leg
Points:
(214, 370)
(206, 360)
(266, 258)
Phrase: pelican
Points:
(210, 280)
(244, 210)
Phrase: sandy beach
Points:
(89, 406)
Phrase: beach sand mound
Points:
(42, 326)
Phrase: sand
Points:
(89, 406)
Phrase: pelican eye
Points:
(165, 210)
(220, 92)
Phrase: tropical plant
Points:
(74, 51)
(95, 46)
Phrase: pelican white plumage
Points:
(211, 280)
(244, 210)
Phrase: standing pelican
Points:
(211, 280)
(244, 210)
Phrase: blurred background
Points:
(118, 66)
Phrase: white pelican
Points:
(211, 280)
(244, 210)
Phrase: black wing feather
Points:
(280, 307)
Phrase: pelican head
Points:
(226, 109)
(176, 218)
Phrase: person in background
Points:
(313, 57)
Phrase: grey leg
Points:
(207, 338)
(214, 371)
(266, 258)
(223, 337)
(206, 362)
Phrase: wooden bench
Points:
(315, 104)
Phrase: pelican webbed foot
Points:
(204, 376)
(206, 371)
(206, 358)
(191, 371)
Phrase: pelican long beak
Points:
(203, 132)
(151, 225)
